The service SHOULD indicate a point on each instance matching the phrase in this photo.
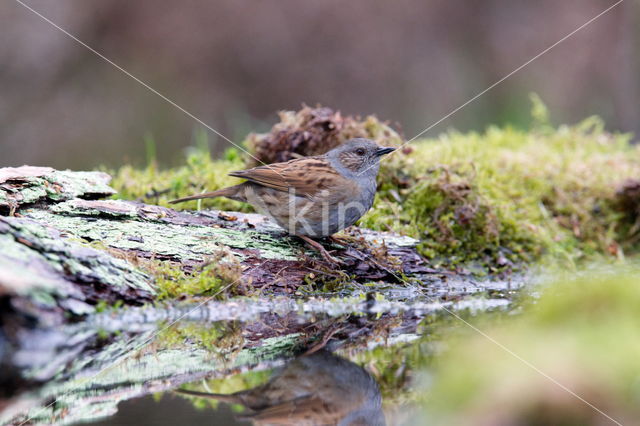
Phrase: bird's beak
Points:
(383, 150)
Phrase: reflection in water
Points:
(315, 389)
(91, 367)
(147, 411)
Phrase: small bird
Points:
(316, 389)
(312, 197)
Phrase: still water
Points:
(354, 359)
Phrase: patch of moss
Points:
(582, 333)
(508, 196)
(219, 277)
(199, 174)
(221, 338)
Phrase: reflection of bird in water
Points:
(317, 389)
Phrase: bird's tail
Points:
(229, 398)
(230, 192)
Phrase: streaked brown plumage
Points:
(312, 197)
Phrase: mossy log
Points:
(64, 250)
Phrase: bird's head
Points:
(359, 156)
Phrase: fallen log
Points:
(64, 250)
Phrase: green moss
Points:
(488, 201)
(217, 277)
(508, 196)
(582, 333)
(199, 174)
(221, 338)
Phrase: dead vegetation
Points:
(314, 131)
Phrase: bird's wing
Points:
(306, 176)
(301, 410)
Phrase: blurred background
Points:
(235, 63)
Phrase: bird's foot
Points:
(323, 252)
(323, 342)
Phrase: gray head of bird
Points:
(358, 157)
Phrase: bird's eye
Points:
(360, 151)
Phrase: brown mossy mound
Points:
(314, 131)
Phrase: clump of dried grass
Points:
(314, 131)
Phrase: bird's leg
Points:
(325, 339)
(325, 254)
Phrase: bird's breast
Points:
(326, 212)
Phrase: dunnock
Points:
(317, 389)
(312, 197)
